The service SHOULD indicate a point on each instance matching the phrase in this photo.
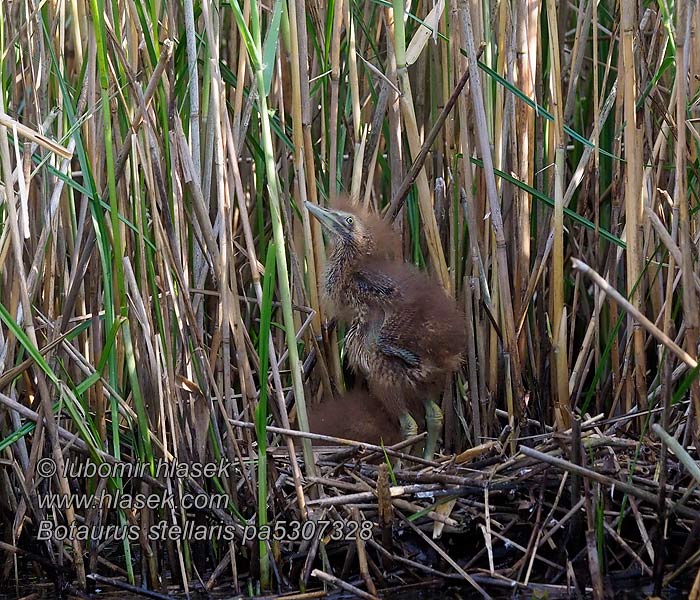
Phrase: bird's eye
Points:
(349, 220)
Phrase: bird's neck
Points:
(342, 263)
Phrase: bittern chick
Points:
(354, 415)
(406, 334)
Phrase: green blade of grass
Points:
(261, 410)
(604, 233)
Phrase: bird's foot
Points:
(433, 423)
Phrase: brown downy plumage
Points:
(354, 415)
(406, 333)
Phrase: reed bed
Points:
(160, 303)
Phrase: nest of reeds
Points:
(537, 523)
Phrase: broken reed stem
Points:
(623, 486)
(18, 128)
(678, 450)
(623, 303)
(304, 435)
(337, 582)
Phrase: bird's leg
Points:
(409, 429)
(433, 424)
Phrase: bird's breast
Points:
(358, 347)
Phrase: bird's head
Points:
(354, 228)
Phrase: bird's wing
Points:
(422, 326)
(389, 347)
(376, 286)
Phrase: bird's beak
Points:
(329, 219)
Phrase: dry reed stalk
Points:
(343, 585)
(278, 233)
(682, 201)
(437, 257)
(240, 78)
(596, 187)
(36, 137)
(496, 113)
(562, 402)
(526, 47)
(353, 78)
(45, 397)
(633, 195)
(396, 127)
(475, 328)
(333, 123)
(399, 196)
(274, 366)
(298, 157)
(501, 268)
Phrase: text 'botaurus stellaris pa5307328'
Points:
(406, 334)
